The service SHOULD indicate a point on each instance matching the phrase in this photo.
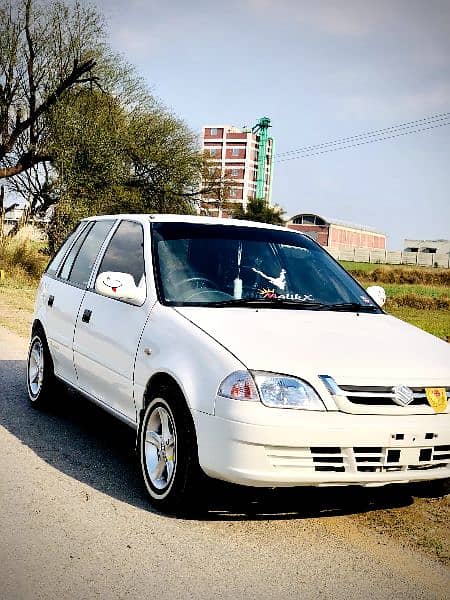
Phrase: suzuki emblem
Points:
(403, 395)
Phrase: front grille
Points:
(398, 459)
(375, 395)
(328, 459)
(363, 459)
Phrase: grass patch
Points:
(16, 306)
(436, 322)
(430, 291)
(23, 262)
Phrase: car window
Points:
(125, 252)
(57, 259)
(80, 260)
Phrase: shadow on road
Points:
(84, 442)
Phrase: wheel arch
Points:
(157, 381)
(37, 325)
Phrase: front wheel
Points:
(168, 453)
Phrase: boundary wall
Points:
(389, 257)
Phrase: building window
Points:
(235, 152)
(234, 172)
(213, 131)
(213, 152)
(233, 192)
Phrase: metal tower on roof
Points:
(262, 129)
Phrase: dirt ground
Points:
(420, 519)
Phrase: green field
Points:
(425, 305)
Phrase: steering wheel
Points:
(196, 281)
(222, 295)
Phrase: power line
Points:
(316, 150)
(378, 133)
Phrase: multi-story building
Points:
(234, 154)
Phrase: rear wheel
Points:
(168, 454)
(40, 375)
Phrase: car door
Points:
(108, 330)
(64, 286)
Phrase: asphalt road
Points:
(75, 523)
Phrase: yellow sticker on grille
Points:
(437, 398)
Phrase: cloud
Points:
(415, 19)
(424, 102)
(352, 17)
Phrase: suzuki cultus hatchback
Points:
(238, 351)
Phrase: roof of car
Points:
(169, 218)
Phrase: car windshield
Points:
(220, 265)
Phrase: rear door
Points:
(64, 287)
(108, 330)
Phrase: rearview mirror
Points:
(377, 293)
(120, 286)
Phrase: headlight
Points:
(273, 390)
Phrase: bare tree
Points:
(46, 49)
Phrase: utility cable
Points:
(316, 150)
(375, 133)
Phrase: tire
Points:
(41, 381)
(168, 454)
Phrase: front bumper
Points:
(249, 444)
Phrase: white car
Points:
(238, 351)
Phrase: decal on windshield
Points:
(279, 281)
(271, 294)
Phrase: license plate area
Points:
(407, 456)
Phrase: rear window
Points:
(80, 260)
(60, 254)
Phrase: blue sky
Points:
(321, 70)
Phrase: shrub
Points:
(418, 301)
(21, 258)
(404, 275)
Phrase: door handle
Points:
(50, 300)
(86, 315)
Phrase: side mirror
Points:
(120, 286)
(377, 293)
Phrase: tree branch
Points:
(71, 80)
(26, 161)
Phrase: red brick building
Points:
(329, 232)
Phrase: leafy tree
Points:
(46, 49)
(215, 188)
(109, 159)
(79, 130)
(258, 210)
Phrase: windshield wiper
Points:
(268, 303)
(350, 307)
(289, 304)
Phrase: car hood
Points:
(351, 347)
